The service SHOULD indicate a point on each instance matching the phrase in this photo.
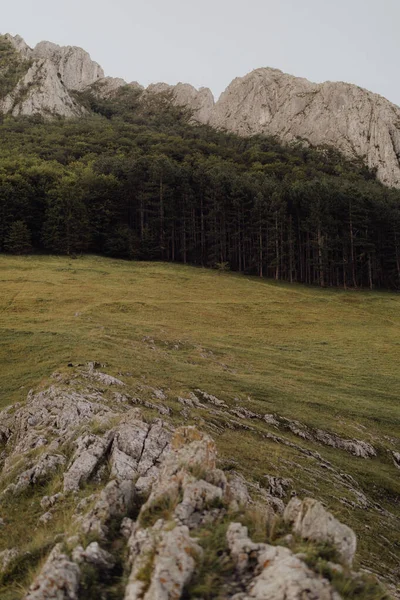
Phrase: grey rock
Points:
(75, 67)
(91, 450)
(277, 486)
(311, 521)
(57, 580)
(172, 567)
(196, 497)
(41, 92)
(94, 555)
(49, 501)
(211, 399)
(353, 120)
(6, 557)
(114, 500)
(45, 518)
(279, 575)
(46, 465)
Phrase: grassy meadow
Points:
(327, 358)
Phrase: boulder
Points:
(312, 521)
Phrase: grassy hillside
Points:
(326, 358)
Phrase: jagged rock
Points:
(277, 485)
(58, 579)
(244, 413)
(171, 566)
(279, 574)
(192, 401)
(353, 120)
(200, 102)
(178, 469)
(196, 496)
(396, 458)
(313, 522)
(114, 500)
(45, 518)
(127, 527)
(266, 101)
(59, 410)
(74, 67)
(137, 452)
(46, 465)
(91, 450)
(238, 492)
(108, 86)
(271, 420)
(20, 45)
(6, 557)
(49, 501)
(212, 399)
(94, 555)
(100, 377)
(41, 91)
(355, 447)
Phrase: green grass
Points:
(327, 358)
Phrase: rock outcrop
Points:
(353, 120)
(155, 501)
(200, 102)
(52, 73)
(267, 101)
(75, 68)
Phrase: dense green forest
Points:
(135, 179)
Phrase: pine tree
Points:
(18, 240)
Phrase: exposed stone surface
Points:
(6, 557)
(265, 101)
(160, 497)
(94, 555)
(313, 522)
(90, 451)
(40, 91)
(396, 458)
(58, 579)
(115, 500)
(280, 575)
(75, 67)
(20, 45)
(172, 564)
(351, 119)
(45, 466)
(200, 102)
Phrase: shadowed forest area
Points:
(136, 179)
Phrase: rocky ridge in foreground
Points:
(136, 507)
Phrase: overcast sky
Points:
(209, 42)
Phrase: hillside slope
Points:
(266, 101)
(298, 386)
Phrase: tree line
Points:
(136, 179)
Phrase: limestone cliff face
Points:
(201, 101)
(270, 102)
(266, 101)
(76, 68)
(354, 120)
(52, 72)
(41, 92)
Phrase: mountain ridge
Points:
(266, 101)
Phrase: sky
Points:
(210, 42)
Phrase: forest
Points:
(137, 179)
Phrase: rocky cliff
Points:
(266, 101)
(119, 504)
